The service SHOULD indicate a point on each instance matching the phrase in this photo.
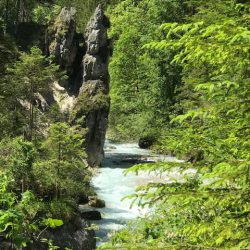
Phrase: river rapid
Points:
(112, 185)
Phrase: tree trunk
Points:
(31, 121)
(58, 171)
(23, 185)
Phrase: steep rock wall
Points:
(67, 48)
(96, 85)
(93, 102)
(85, 60)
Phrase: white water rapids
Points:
(112, 185)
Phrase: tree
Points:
(29, 76)
(63, 167)
(21, 162)
(209, 207)
(21, 223)
(143, 84)
(17, 157)
(12, 12)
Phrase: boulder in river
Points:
(96, 202)
(91, 215)
(146, 142)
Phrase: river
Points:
(112, 185)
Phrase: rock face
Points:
(73, 235)
(85, 93)
(63, 44)
(94, 99)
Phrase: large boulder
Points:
(94, 201)
(146, 142)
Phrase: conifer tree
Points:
(30, 75)
(63, 169)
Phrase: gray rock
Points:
(94, 68)
(91, 215)
(87, 68)
(96, 32)
(93, 103)
(74, 235)
(146, 142)
(96, 202)
(5, 245)
(97, 123)
(62, 41)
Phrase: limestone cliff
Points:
(66, 47)
(84, 57)
(93, 101)
(85, 60)
(96, 85)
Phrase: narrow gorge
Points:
(124, 124)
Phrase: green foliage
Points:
(142, 83)
(21, 158)
(47, 162)
(62, 164)
(28, 76)
(45, 13)
(19, 220)
(51, 246)
(62, 209)
(87, 103)
(17, 157)
(53, 223)
(207, 207)
(13, 12)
